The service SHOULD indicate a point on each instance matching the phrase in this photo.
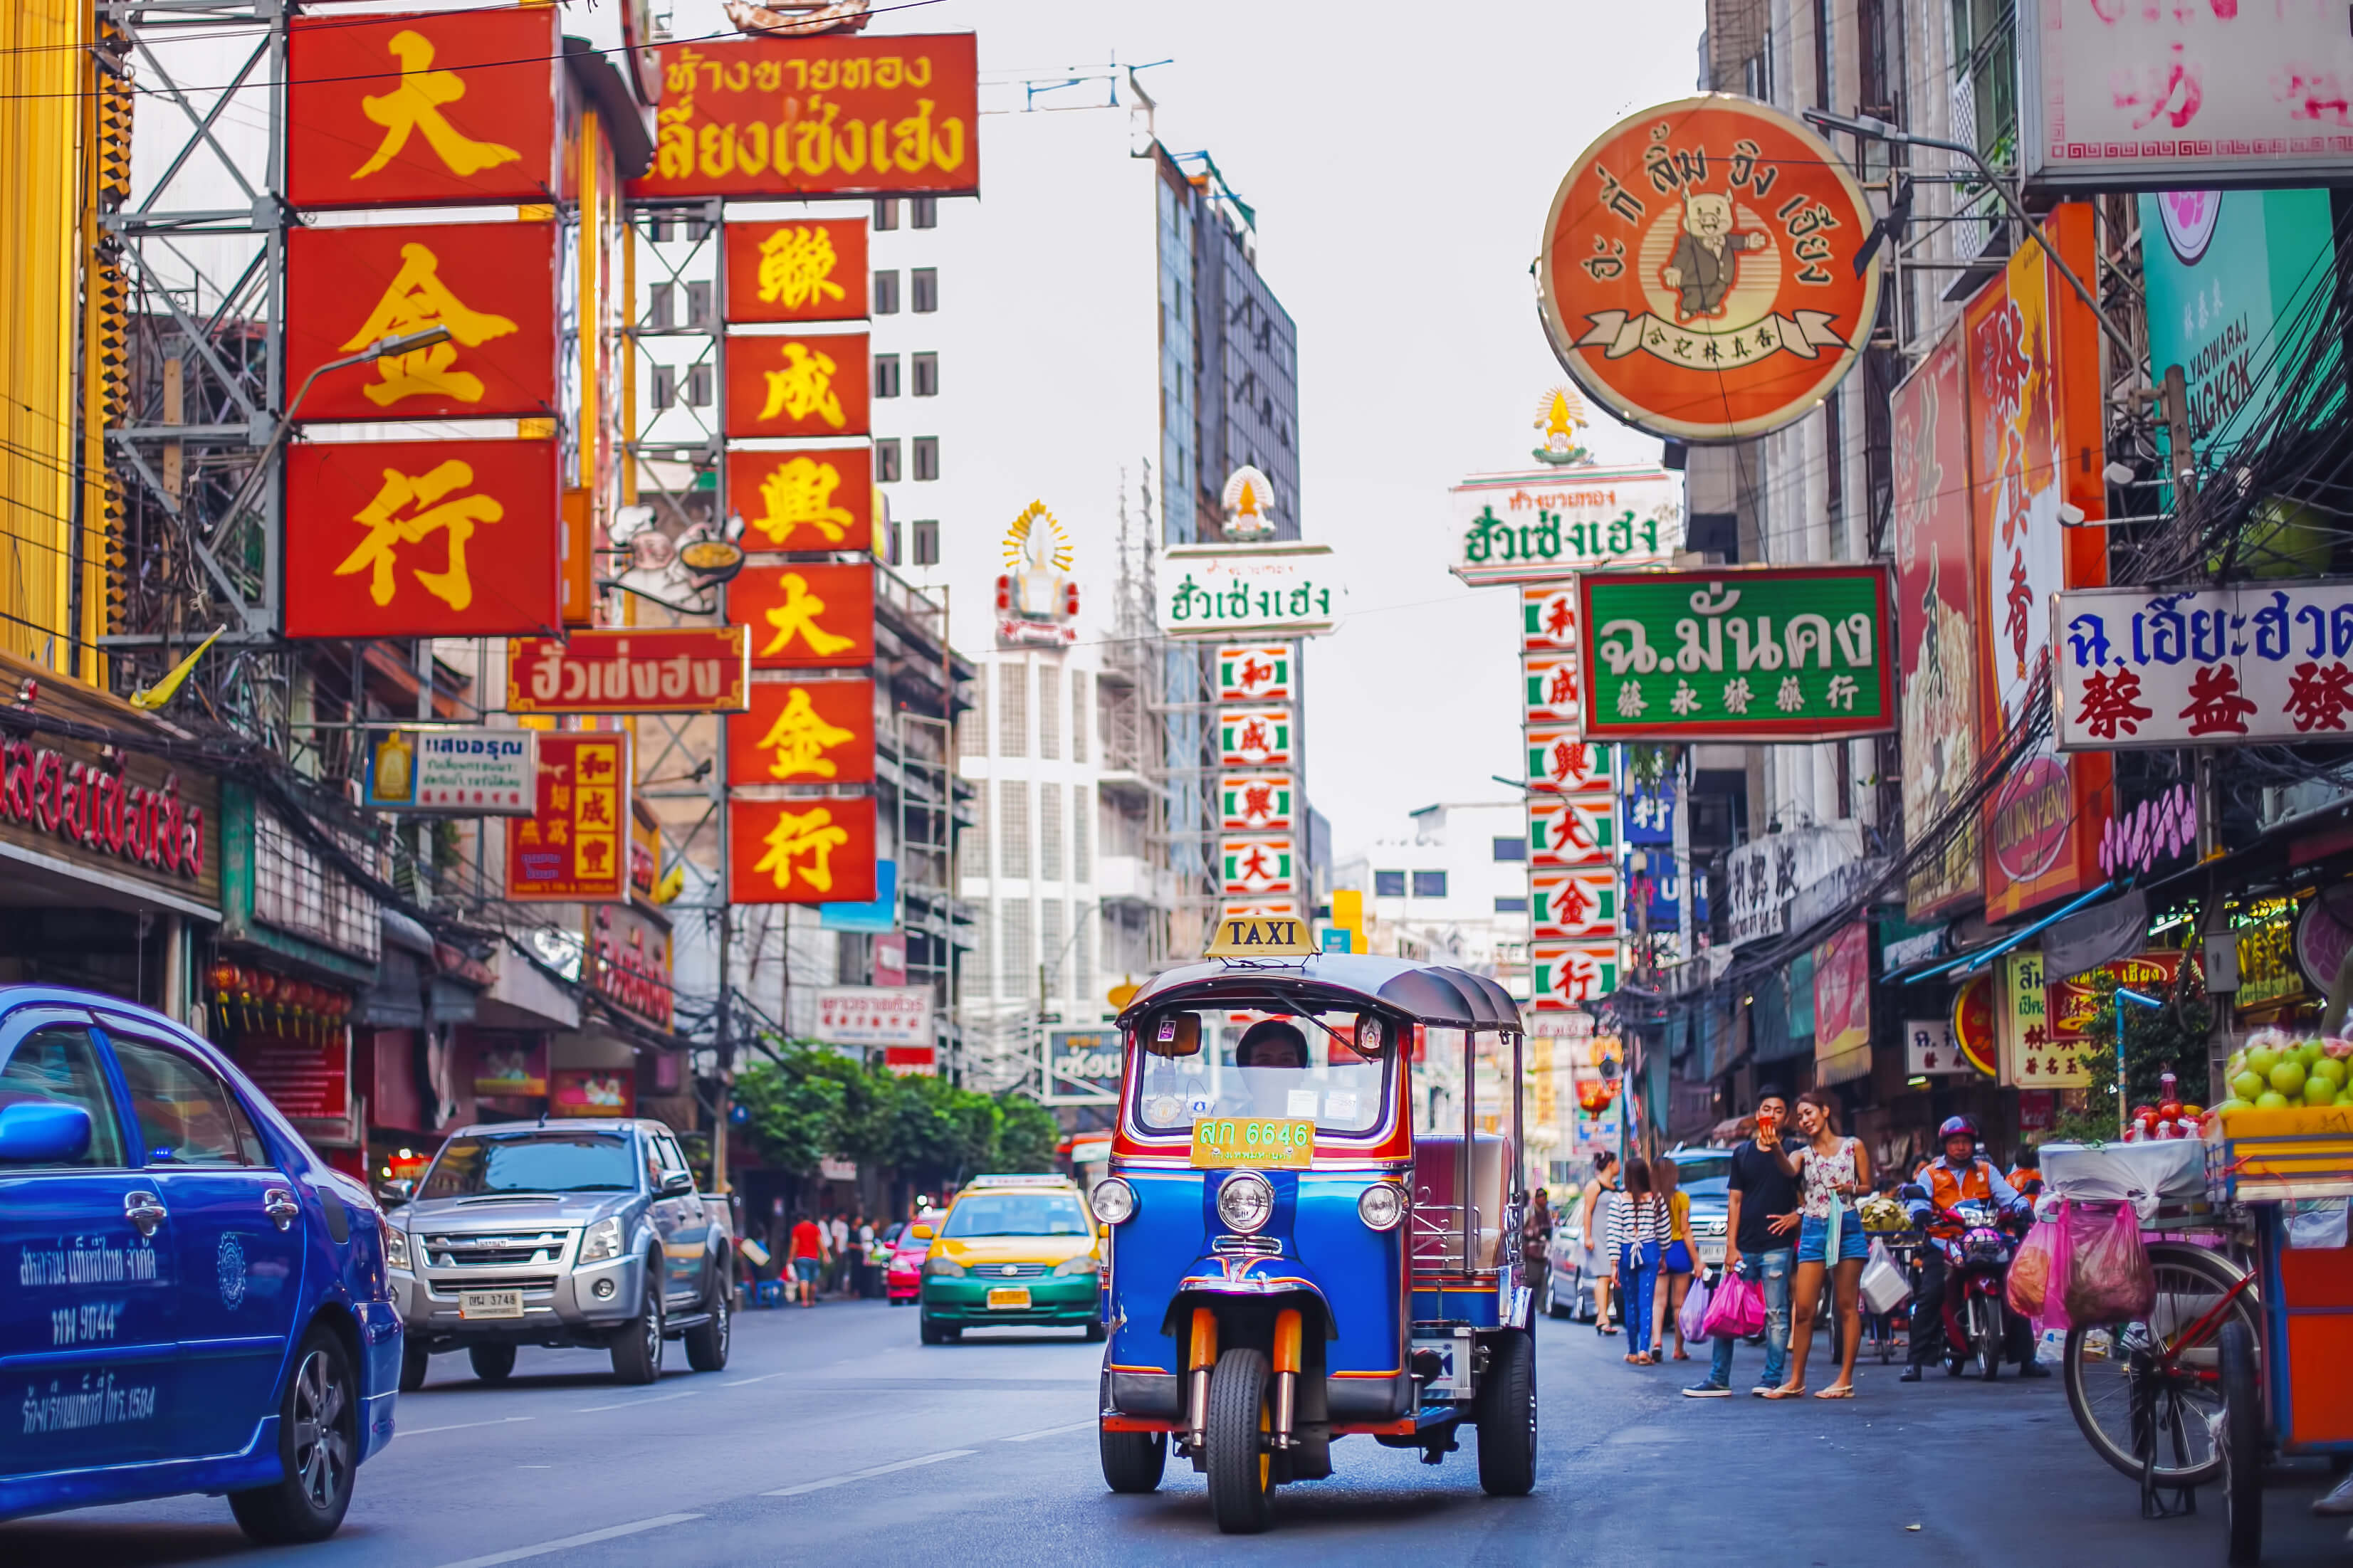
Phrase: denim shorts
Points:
(1676, 1260)
(1814, 1237)
(806, 1267)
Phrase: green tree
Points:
(2171, 1038)
(1027, 1136)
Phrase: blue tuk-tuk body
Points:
(1265, 1298)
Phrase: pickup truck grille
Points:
(468, 1251)
(526, 1283)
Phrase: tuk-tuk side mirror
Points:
(922, 1233)
(1174, 1035)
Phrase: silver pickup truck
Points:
(561, 1233)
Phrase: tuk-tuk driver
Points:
(1269, 1042)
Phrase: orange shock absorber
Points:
(1286, 1373)
(1201, 1357)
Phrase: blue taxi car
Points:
(190, 1299)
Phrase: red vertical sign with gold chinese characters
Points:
(423, 109)
(575, 846)
(421, 538)
(792, 384)
(812, 849)
(799, 269)
(804, 732)
(805, 616)
(492, 284)
(815, 499)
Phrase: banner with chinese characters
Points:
(439, 108)
(2214, 667)
(421, 538)
(1254, 865)
(825, 116)
(812, 850)
(1738, 653)
(789, 383)
(804, 732)
(1258, 673)
(1255, 803)
(799, 270)
(643, 669)
(811, 499)
(1548, 617)
(1930, 1051)
(2031, 1057)
(1540, 527)
(492, 284)
(806, 615)
(1560, 759)
(1568, 974)
(575, 846)
(1571, 830)
(1234, 590)
(1579, 904)
(1551, 691)
(1254, 737)
(627, 961)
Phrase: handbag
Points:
(1734, 1309)
(1692, 1320)
(1884, 1286)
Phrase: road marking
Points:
(589, 1538)
(459, 1427)
(748, 1382)
(896, 1465)
(1049, 1432)
(633, 1403)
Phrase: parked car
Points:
(584, 1233)
(903, 1278)
(197, 1302)
(1703, 1173)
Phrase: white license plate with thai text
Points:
(478, 1304)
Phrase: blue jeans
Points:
(1638, 1280)
(1771, 1270)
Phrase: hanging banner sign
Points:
(804, 732)
(1571, 830)
(468, 772)
(1552, 693)
(1254, 737)
(2031, 1055)
(1255, 866)
(1254, 674)
(807, 851)
(796, 271)
(1255, 803)
(2230, 666)
(573, 848)
(1566, 976)
(1930, 1051)
(1548, 617)
(1228, 590)
(805, 616)
(1698, 274)
(1538, 527)
(1561, 760)
(644, 669)
(627, 962)
(1581, 903)
(813, 500)
(791, 384)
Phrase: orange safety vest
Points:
(1946, 1190)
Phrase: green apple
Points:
(2288, 1079)
(2327, 1068)
(2271, 1100)
(2308, 1052)
(2247, 1084)
(2261, 1059)
(2234, 1103)
(2319, 1091)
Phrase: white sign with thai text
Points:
(1258, 590)
(2213, 666)
(874, 1014)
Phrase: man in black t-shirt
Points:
(1761, 1242)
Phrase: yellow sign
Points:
(1261, 938)
(1275, 1142)
(1120, 995)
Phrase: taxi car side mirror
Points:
(43, 1132)
(922, 1233)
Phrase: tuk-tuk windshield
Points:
(1253, 1063)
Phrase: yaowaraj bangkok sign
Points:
(1698, 273)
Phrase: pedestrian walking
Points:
(1535, 1235)
(1760, 1221)
(1634, 1231)
(838, 1233)
(808, 1256)
(869, 1283)
(1833, 1172)
(1677, 1257)
(1596, 1259)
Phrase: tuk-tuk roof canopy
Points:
(1425, 992)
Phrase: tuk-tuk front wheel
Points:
(1507, 1417)
(1132, 1461)
(1242, 1468)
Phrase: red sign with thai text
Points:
(420, 539)
(791, 384)
(575, 847)
(804, 732)
(644, 669)
(806, 615)
(813, 499)
(810, 850)
(800, 269)
(628, 961)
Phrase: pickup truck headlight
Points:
(1083, 1265)
(395, 1246)
(603, 1241)
(944, 1269)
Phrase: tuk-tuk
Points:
(1313, 1210)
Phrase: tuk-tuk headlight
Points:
(1246, 1202)
(1112, 1200)
(1381, 1206)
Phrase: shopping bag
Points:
(1735, 1310)
(1884, 1285)
(2029, 1271)
(2108, 1279)
(1692, 1320)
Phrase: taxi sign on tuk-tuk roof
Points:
(1239, 937)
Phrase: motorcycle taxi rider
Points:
(1960, 1175)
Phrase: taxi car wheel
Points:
(1132, 1461)
(637, 1353)
(1507, 1417)
(1241, 1484)
(318, 1444)
(492, 1363)
(706, 1347)
(415, 1362)
(1095, 1331)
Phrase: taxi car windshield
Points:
(540, 1163)
(1016, 1213)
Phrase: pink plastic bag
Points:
(2030, 1272)
(2107, 1277)
(1735, 1310)
(1691, 1321)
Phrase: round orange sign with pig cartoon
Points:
(1698, 276)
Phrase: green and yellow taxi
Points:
(1014, 1250)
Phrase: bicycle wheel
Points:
(2174, 1419)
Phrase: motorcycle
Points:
(1974, 1308)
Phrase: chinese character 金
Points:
(415, 299)
(799, 740)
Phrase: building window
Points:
(1505, 906)
(1388, 884)
(923, 284)
(698, 385)
(927, 375)
(1050, 949)
(658, 311)
(886, 461)
(1082, 858)
(972, 728)
(1082, 958)
(927, 456)
(886, 375)
(1078, 715)
(886, 292)
(1049, 712)
(1013, 708)
(1019, 973)
(927, 543)
(1049, 832)
(923, 212)
(1511, 848)
(886, 212)
(665, 388)
(1429, 884)
(698, 305)
(1013, 826)
(890, 544)
(975, 837)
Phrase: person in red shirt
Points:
(808, 1257)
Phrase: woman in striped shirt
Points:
(1637, 1225)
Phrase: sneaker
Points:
(1911, 1373)
(1707, 1391)
(2337, 1502)
(1761, 1390)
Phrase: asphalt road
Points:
(834, 1438)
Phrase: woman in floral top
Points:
(1833, 1173)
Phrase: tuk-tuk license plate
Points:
(1009, 1297)
(1285, 1143)
(476, 1304)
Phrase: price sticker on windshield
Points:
(1282, 1142)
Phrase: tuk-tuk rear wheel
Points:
(1241, 1479)
(1507, 1417)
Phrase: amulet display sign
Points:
(1698, 276)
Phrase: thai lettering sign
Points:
(805, 616)
(133, 814)
(830, 116)
(1083, 1067)
(804, 732)
(796, 271)
(1228, 590)
(1537, 527)
(1930, 1051)
(2031, 1057)
(810, 498)
(874, 1014)
(575, 845)
(805, 850)
(647, 669)
(2072, 1002)
(471, 773)
(789, 384)
(2250, 662)
(627, 961)
(1737, 654)
(1698, 274)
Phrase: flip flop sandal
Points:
(1786, 1392)
(1682, 1355)
(1836, 1391)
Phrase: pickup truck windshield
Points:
(1016, 1213)
(537, 1162)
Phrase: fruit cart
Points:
(2286, 1394)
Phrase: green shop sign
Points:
(1763, 653)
